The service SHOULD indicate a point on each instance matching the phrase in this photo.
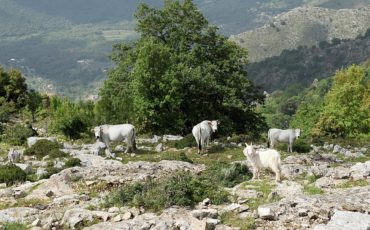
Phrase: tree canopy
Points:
(178, 73)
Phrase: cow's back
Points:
(119, 132)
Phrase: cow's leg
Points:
(277, 172)
(199, 145)
(255, 174)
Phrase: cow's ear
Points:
(246, 145)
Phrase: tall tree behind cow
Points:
(179, 72)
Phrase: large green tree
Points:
(346, 110)
(178, 73)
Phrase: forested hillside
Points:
(301, 66)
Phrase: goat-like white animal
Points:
(263, 159)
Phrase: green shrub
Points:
(17, 134)
(187, 141)
(10, 174)
(50, 171)
(72, 162)
(14, 226)
(182, 189)
(301, 146)
(45, 147)
(227, 175)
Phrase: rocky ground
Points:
(327, 188)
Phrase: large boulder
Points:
(360, 170)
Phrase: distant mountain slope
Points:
(305, 64)
(303, 26)
(17, 20)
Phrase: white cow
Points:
(202, 133)
(281, 135)
(107, 133)
(269, 158)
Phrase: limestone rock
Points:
(204, 213)
(159, 148)
(14, 155)
(346, 220)
(266, 213)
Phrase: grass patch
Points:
(228, 155)
(45, 147)
(10, 174)
(312, 178)
(265, 188)
(14, 226)
(182, 189)
(233, 219)
(22, 202)
(312, 190)
(353, 183)
(187, 141)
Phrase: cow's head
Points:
(249, 150)
(214, 124)
(297, 132)
(97, 131)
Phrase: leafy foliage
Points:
(346, 110)
(71, 119)
(179, 72)
(45, 147)
(72, 162)
(10, 174)
(17, 134)
(13, 93)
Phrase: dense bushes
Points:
(17, 134)
(71, 119)
(10, 174)
(45, 147)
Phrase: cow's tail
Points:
(133, 140)
(200, 139)
(268, 139)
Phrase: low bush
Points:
(17, 134)
(182, 189)
(72, 162)
(45, 147)
(227, 175)
(187, 141)
(11, 174)
(301, 146)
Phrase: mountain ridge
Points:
(303, 26)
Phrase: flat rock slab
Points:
(346, 220)
(23, 215)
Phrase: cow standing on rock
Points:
(202, 133)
